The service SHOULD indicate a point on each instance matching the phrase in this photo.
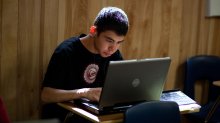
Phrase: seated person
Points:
(78, 65)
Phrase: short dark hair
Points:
(112, 18)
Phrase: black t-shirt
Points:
(72, 66)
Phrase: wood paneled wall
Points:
(31, 29)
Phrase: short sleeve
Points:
(55, 74)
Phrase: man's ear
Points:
(92, 31)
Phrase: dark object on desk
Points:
(93, 107)
(206, 68)
(4, 118)
(40, 121)
(153, 112)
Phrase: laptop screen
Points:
(130, 81)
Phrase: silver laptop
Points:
(129, 82)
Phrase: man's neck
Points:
(89, 43)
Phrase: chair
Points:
(153, 112)
(205, 68)
(4, 118)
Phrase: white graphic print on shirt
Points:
(90, 73)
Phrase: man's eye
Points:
(120, 42)
(110, 41)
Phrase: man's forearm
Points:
(51, 95)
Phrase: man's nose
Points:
(112, 47)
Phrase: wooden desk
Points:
(110, 118)
(115, 118)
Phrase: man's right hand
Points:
(51, 95)
(92, 94)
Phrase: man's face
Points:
(107, 43)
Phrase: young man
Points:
(78, 66)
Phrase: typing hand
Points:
(92, 94)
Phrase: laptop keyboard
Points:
(177, 96)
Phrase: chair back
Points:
(202, 67)
(153, 112)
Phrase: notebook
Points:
(177, 96)
(129, 82)
(185, 102)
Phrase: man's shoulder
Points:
(69, 44)
(70, 41)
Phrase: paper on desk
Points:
(189, 108)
